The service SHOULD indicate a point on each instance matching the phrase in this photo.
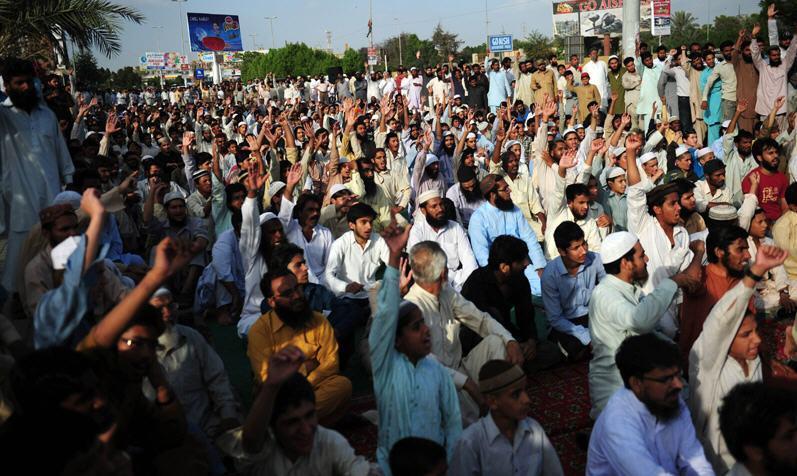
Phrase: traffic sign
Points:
(500, 43)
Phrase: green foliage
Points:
(88, 73)
(686, 30)
(537, 45)
(294, 59)
(446, 43)
(786, 16)
(31, 27)
(126, 78)
(352, 61)
(467, 52)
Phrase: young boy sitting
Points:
(415, 395)
(507, 440)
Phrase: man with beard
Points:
(619, 308)
(361, 143)
(747, 76)
(301, 224)
(772, 82)
(36, 161)
(654, 216)
(465, 195)
(570, 203)
(543, 83)
(728, 256)
(499, 89)
(758, 426)
(523, 82)
(364, 185)
(477, 94)
(727, 354)
(649, 89)
(615, 74)
(500, 216)
(646, 427)
(434, 226)
(690, 218)
(739, 160)
(426, 174)
(772, 187)
(711, 191)
(291, 322)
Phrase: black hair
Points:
(743, 134)
(41, 380)
(148, 316)
(552, 144)
(231, 190)
(726, 44)
(640, 354)
(15, 67)
(506, 249)
(575, 189)
(271, 275)
(103, 161)
(791, 194)
(684, 186)
(614, 266)
(566, 233)
(202, 157)
(412, 456)
(762, 145)
(628, 60)
(750, 415)
(661, 48)
(302, 202)
(721, 237)
(283, 255)
(293, 392)
(645, 55)
(360, 210)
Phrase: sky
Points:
(308, 21)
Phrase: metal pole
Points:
(271, 21)
(486, 30)
(401, 57)
(180, 23)
(158, 47)
(371, 36)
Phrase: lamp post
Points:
(401, 33)
(180, 23)
(158, 47)
(271, 22)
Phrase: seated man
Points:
(333, 216)
(711, 190)
(434, 226)
(758, 425)
(507, 440)
(414, 394)
(726, 353)
(500, 216)
(646, 427)
(281, 434)
(444, 311)
(465, 194)
(194, 371)
(291, 321)
(501, 287)
(567, 284)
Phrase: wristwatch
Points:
(749, 273)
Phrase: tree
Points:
(126, 78)
(684, 29)
(352, 62)
(467, 52)
(88, 73)
(727, 27)
(33, 28)
(445, 42)
(536, 45)
(787, 15)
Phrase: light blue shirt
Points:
(489, 222)
(628, 440)
(413, 400)
(566, 297)
(500, 89)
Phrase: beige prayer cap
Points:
(428, 195)
(498, 375)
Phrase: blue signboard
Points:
(209, 32)
(500, 43)
(199, 73)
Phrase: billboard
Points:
(660, 18)
(210, 32)
(169, 61)
(500, 43)
(594, 17)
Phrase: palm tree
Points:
(33, 28)
(683, 28)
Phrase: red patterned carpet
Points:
(559, 401)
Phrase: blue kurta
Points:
(713, 115)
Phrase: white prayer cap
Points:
(275, 188)
(447, 133)
(618, 151)
(428, 195)
(242, 123)
(61, 253)
(162, 292)
(568, 131)
(457, 96)
(511, 143)
(581, 126)
(648, 157)
(146, 158)
(615, 172)
(616, 245)
(431, 159)
(470, 135)
(482, 126)
(705, 150)
(69, 197)
(268, 216)
(681, 150)
(337, 188)
(723, 212)
(172, 196)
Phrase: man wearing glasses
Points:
(646, 427)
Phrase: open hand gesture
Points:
(568, 160)
(294, 175)
(284, 364)
(111, 125)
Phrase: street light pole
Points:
(180, 24)
(271, 22)
(158, 47)
(401, 33)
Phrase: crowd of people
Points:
(449, 228)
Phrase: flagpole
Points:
(371, 31)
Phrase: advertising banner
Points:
(595, 17)
(168, 61)
(209, 32)
(500, 43)
(660, 21)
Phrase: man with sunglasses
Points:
(646, 427)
